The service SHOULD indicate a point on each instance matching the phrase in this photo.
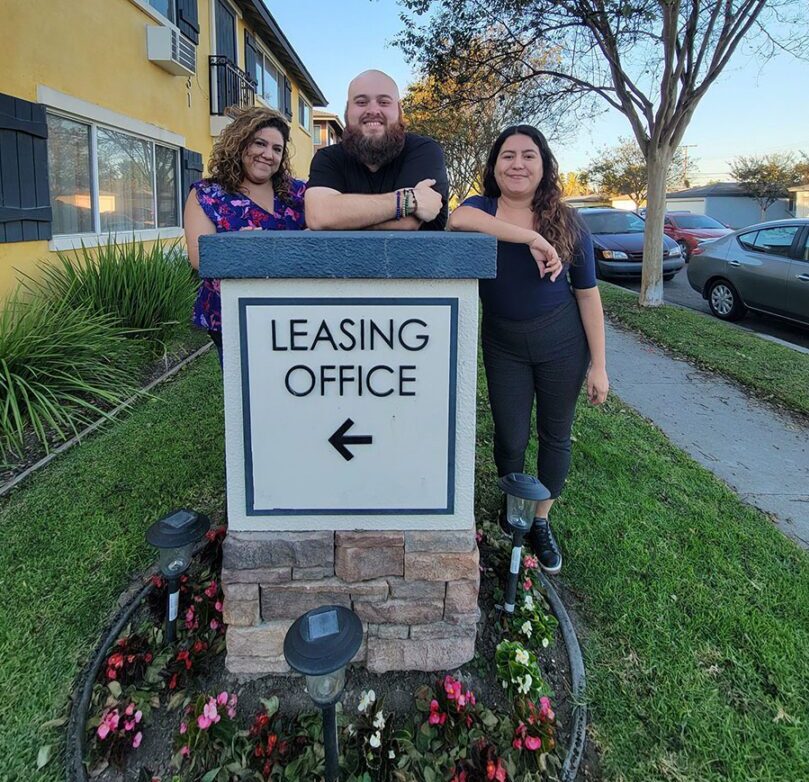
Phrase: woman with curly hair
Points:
(543, 325)
(249, 187)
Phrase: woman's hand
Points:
(546, 257)
(598, 385)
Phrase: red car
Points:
(689, 229)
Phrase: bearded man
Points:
(378, 177)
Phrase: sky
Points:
(753, 109)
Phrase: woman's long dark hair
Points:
(552, 217)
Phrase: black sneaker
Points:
(542, 541)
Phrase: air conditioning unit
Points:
(173, 52)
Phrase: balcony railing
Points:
(230, 85)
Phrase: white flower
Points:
(526, 629)
(521, 656)
(391, 754)
(367, 699)
(528, 604)
(379, 721)
(351, 729)
(505, 684)
(545, 643)
(375, 740)
(525, 684)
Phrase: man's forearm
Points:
(348, 211)
(405, 224)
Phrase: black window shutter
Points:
(250, 56)
(25, 206)
(287, 98)
(191, 170)
(188, 19)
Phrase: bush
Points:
(147, 292)
(58, 366)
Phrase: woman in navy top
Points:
(543, 325)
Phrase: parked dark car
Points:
(762, 267)
(688, 229)
(618, 241)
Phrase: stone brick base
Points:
(415, 592)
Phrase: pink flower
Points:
(517, 743)
(434, 718)
(209, 710)
(478, 536)
(103, 731)
(222, 698)
(185, 751)
(138, 716)
(527, 584)
(546, 713)
(183, 728)
(211, 590)
(533, 743)
(214, 624)
(130, 710)
(129, 725)
(530, 561)
(137, 740)
(203, 722)
(218, 606)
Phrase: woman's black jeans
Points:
(546, 358)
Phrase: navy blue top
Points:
(518, 292)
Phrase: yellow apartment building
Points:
(109, 108)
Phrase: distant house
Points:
(109, 110)
(727, 202)
(800, 199)
(328, 129)
(577, 202)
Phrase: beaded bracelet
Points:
(399, 211)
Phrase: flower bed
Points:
(160, 713)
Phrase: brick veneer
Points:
(416, 593)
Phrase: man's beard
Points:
(374, 152)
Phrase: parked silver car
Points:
(762, 267)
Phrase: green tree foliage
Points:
(621, 170)
(766, 178)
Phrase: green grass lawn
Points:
(770, 370)
(696, 608)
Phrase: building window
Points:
(268, 79)
(104, 180)
(318, 134)
(304, 113)
(165, 7)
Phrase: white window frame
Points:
(96, 237)
(303, 101)
(264, 52)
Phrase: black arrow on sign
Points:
(340, 439)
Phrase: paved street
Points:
(760, 453)
(678, 291)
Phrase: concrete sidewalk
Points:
(760, 453)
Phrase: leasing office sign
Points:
(348, 405)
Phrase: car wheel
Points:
(684, 249)
(724, 301)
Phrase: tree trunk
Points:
(651, 287)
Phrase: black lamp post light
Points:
(175, 537)
(522, 494)
(319, 645)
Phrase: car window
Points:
(613, 222)
(775, 241)
(748, 241)
(667, 221)
(697, 221)
(804, 256)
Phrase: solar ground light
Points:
(175, 537)
(522, 494)
(319, 645)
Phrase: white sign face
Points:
(348, 405)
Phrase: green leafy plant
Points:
(531, 621)
(276, 750)
(518, 671)
(60, 367)
(117, 729)
(373, 747)
(147, 291)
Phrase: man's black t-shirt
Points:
(421, 158)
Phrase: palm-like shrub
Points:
(60, 366)
(146, 291)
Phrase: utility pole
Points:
(685, 148)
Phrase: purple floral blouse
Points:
(233, 212)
